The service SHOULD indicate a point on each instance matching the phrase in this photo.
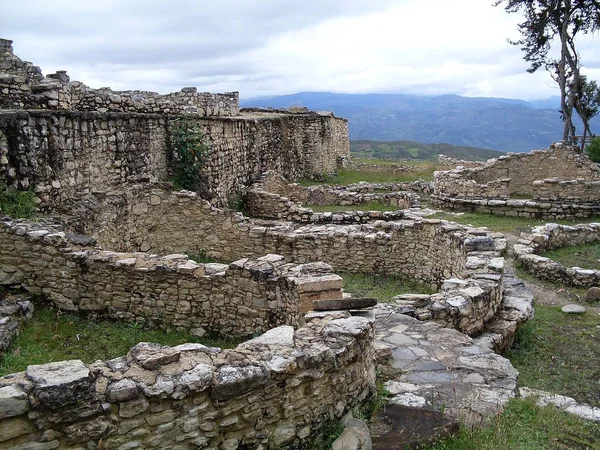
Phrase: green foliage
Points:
(409, 150)
(369, 206)
(52, 335)
(525, 426)
(558, 352)
(188, 153)
(586, 256)
(201, 257)
(592, 150)
(17, 204)
(381, 287)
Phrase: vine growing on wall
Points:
(188, 153)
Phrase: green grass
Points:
(369, 206)
(559, 353)
(17, 204)
(201, 257)
(586, 256)
(381, 287)
(505, 224)
(423, 171)
(52, 336)
(525, 426)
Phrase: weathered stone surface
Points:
(593, 294)
(342, 304)
(562, 402)
(356, 436)
(151, 356)
(13, 402)
(230, 382)
(122, 391)
(442, 366)
(280, 336)
(573, 309)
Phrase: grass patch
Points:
(369, 206)
(423, 171)
(381, 287)
(17, 204)
(54, 336)
(505, 224)
(569, 293)
(559, 353)
(586, 256)
(525, 426)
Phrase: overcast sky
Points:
(271, 47)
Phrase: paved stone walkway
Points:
(440, 369)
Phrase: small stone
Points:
(593, 294)
(13, 402)
(573, 309)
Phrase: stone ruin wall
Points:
(63, 156)
(552, 236)
(267, 199)
(164, 222)
(23, 86)
(167, 292)
(272, 390)
(488, 189)
(431, 251)
(524, 168)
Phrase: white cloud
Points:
(268, 47)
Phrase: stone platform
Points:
(440, 369)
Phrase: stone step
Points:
(344, 303)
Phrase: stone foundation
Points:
(552, 236)
(273, 390)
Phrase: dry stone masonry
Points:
(60, 138)
(492, 188)
(551, 236)
(168, 292)
(272, 390)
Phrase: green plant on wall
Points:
(17, 204)
(188, 153)
(593, 149)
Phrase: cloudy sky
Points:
(270, 47)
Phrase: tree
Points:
(545, 21)
(586, 101)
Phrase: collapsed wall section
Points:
(63, 156)
(273, 390)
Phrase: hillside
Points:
(492, 123)
(417, 150)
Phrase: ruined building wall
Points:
(22, 86)
(273, 390)
(66, 155)
(523, 168)
(169, 292)
(159, 221)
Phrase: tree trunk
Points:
(566, 105)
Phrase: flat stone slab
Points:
(399, 427)
(573, 309)
(562, 402)
(439, 369)
(344, 304)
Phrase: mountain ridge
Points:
(509, 125)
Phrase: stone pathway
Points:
(440, 369)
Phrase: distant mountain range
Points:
(491, 123)
(396, 150)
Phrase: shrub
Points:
(592, 150)
(17, 204)
(188, 153)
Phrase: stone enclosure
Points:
(117, 241)
(524, 184)
(550, 237)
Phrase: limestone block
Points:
(13, 402)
